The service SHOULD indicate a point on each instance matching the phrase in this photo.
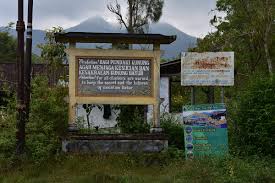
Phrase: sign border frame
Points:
(151, 60)
(119, 100)
(183, 54)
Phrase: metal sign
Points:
(207, 69)
(205, 130)
(114, 76)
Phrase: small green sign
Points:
(205, 130)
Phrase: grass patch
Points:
(141, 168)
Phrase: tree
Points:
(247, 29)
(253, 119)
(140, 14)
(7, 45)
(53, 53)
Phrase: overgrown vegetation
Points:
(53, 55)
(143, 168)
(7, 45)
(48, 119)
(247, 28)
(131, 120)
(7, 128)
(253, 120)
(47, 123)
(173, 129)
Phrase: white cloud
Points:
(190, 16)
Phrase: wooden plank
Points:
(72, 101)
(156, 107)
(116, 100)
(86, 37)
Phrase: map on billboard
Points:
(207, 69)
(205, 130)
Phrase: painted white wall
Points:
(164, 98)
(96, 116)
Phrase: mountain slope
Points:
(38, 38)
(94, 24)
(182, 43)
(98, 24)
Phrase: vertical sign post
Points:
(21, 108)
(193, 95)
(28, 61)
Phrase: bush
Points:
(131, 120)
(48, 119)
(173, 129)
(7, 123)
(47, 123)
(253, 118)
(136, 168)
(7, 133)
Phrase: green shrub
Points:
(173, 129)
(47, 122)
(7, 133)
(253, 120)
(7, 123)
(137, 168)
(131, 120)
(48, 119)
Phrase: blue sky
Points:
(190, 16)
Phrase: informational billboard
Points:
(113, 76)
(207, 69)
(205, 130)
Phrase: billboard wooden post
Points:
(156, 106)
(222, 94)
(193, 95)
(72, 102)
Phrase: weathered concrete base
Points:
(115, 143)
(72, 128)
(156, 130)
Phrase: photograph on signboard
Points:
(207, 69)
(214, 118)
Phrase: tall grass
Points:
(142, 168)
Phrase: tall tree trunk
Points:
(130, 28)
(269, 17)
(268, 59)
(211, 95)
(266, 48)
(130, 25)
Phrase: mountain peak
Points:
(92, 24)
(95, 19)
(98, 24)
